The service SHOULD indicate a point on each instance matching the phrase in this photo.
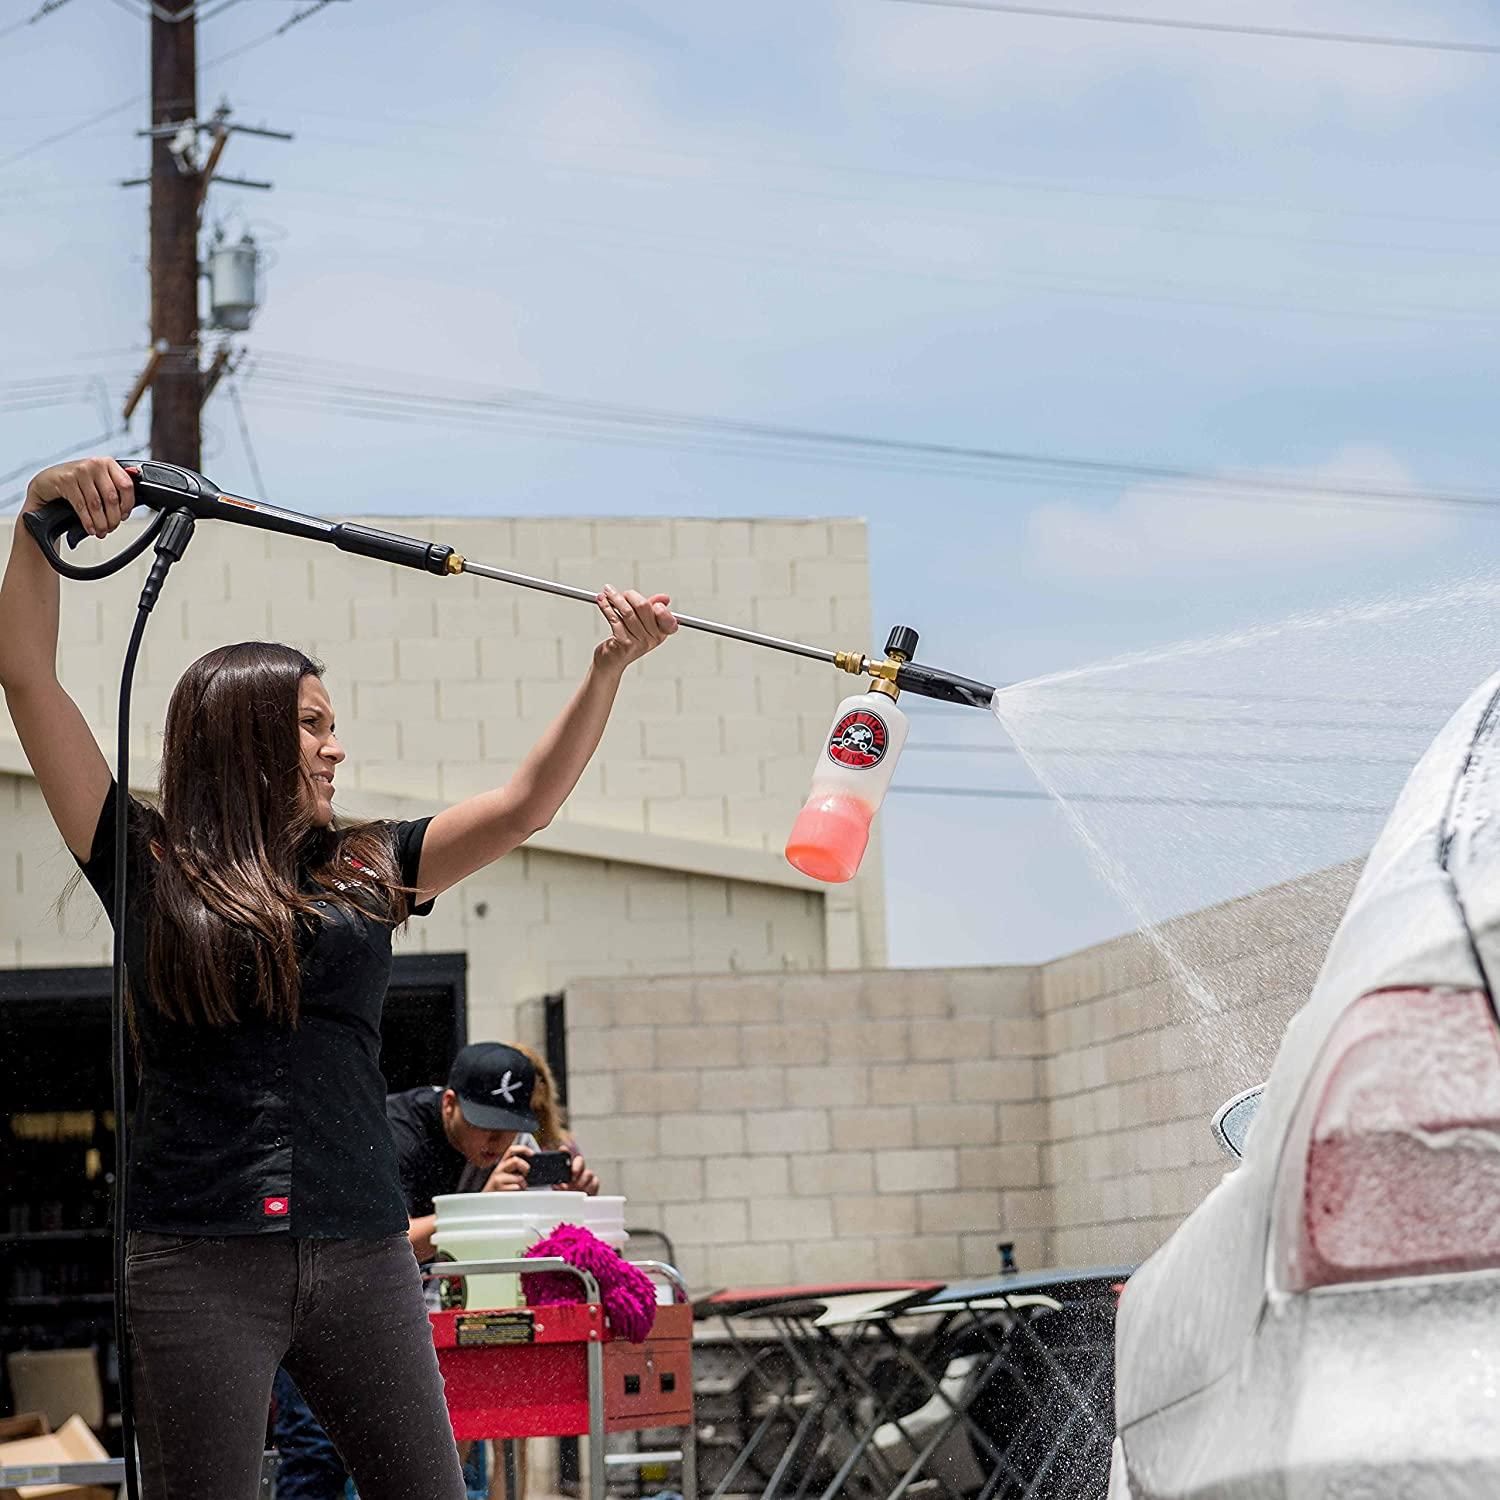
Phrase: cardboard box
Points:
(72, 1443)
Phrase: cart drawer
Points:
(648, 1385)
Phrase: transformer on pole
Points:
(233, 275)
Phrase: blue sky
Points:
(1213, 252)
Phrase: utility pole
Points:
(185, 155)
(176, 193)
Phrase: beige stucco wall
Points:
(901, 1123)
(667, 856)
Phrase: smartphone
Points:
(550, 1169)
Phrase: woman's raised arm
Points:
(64, 757)
(474, 833)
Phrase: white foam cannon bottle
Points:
(855, 764)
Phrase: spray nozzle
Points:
(899, 673)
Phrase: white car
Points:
(1326, 1325)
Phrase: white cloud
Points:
(977, 60)
(575, 107)
(1162, 529)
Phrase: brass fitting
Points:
(883, 674)
(455, 562)
(857, 664)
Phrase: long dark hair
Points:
(238, 861)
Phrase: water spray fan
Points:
(855, 762)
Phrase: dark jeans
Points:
(310, 1467)
(213, 1317)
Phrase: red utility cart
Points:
(557, 1371)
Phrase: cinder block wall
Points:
(901, 1123)
(1135, 1068)
(807, 1127)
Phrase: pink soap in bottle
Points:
(854, 768)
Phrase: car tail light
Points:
(1398, 1170)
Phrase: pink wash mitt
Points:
(626, 1291)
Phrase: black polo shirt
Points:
(428, 1164)
(260, 1127)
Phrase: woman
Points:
(265, 1215)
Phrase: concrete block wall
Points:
(1135, 1066)
(901, 1123)
(808, 1127)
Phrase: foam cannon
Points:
(854, 765)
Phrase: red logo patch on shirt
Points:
(276, 1208)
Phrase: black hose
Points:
(176, 533)
(118, 1057)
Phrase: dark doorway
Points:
(57, 1136)
(54, 1031)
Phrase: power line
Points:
(1222, 28)
(593, 236)
(585, 428)
(1228, 757)
(1374, 726)
(145, 9)
(1015, 794)
(970, 210)
(351, 391)
(71, 130)
(1082, 684)
(45, 9)
(88, 445)
(966, 180)
(239, 412)
(115, 109)
(306, 14)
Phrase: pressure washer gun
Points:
(854, 765)
(165, 488)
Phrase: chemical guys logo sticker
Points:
(859, 740)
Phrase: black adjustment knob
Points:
(902, 642)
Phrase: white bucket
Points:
(539, 1208)
(609, 1211)
(488, 1244)
(491, 1206)
(507, 1242)
(503, 1225)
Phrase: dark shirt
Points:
(260, 1127)
(428, 1164)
